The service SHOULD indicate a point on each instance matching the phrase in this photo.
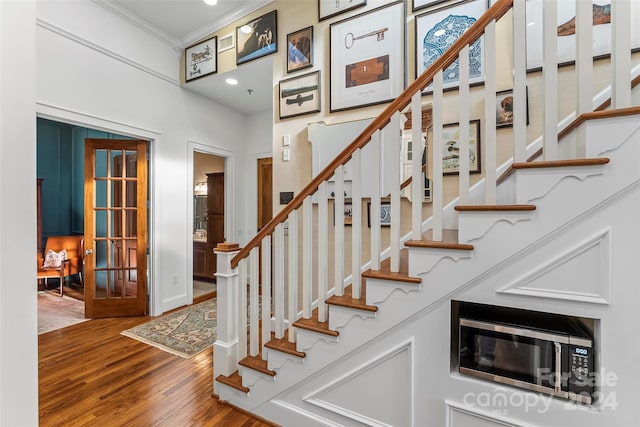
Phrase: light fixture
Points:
(246, 29)
(211, 2)
(231, 82)
(200, 186)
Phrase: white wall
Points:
(18, 315)
(101, 71)
(258, 146)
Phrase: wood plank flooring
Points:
(90, 375)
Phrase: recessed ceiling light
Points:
(211, 2)
(246, 29)
(231, 82)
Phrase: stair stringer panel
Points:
(439, 395)
(558, 207)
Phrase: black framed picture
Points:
(385, 214)
(257, 38)
(300, 49)
(200, 59)
(421, 4)
(504, 108)
(300, 95)
(330, 8)
(367, 58)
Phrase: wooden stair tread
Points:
(313, 324)
(346, 300)
(257, 364)
(385, 270)
(234, 380)
(284, 345)
(494, 208)
(561, 163)
(449, 241)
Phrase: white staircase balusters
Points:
(417, 176)
(355, 216)
(265, 287)
(550, 70)
(278, 279)
(254, 344)
(323, 251)
(307, 257)
(293, 274)
(519, 82)
(375, 175)
(395, 139)
(584, 55)
(242, 309)
(620, 53)
(339, 231)
(489, 159)
(463, 142)
(437, 197)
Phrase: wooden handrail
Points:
(499, 9)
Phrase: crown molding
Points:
(142, 24)
(222, 22)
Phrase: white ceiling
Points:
(180, 23)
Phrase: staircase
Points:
(536, 232)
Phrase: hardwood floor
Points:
(89, 374)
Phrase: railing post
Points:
(225, 348)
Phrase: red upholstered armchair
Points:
(69, 263)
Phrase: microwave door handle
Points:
(558, 382)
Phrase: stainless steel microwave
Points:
(554, 362)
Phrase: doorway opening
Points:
(208, 221)
(61, 210)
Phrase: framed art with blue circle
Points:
(438, 29)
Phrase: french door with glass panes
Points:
(115, 228)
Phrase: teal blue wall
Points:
(60, 162)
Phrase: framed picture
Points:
(257, 38)
(385, 214)
(566, 31)
(300, 95)
(347, 214)
(421, 4)
(300, 49)
(504, 108)
(437, 30)
(330, 8)
(367, 58)
(451, 148)
(200, 59)
(226, 42)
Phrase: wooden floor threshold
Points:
(449, 241)
(257, 364)
(234, 380)
(494, 208)
(596, 161)
(283, 345)
(347, 300)
(314, 325)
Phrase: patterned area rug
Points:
(56, 312)
(185, 333)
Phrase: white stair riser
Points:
(423, 260)
(474, 225)
(307, 339)
(340, 316)
(378, 290)
(534, 184)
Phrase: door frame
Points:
(154, 292)
(229, 201)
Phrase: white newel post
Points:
(225, 348)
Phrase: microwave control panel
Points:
(581, 369)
